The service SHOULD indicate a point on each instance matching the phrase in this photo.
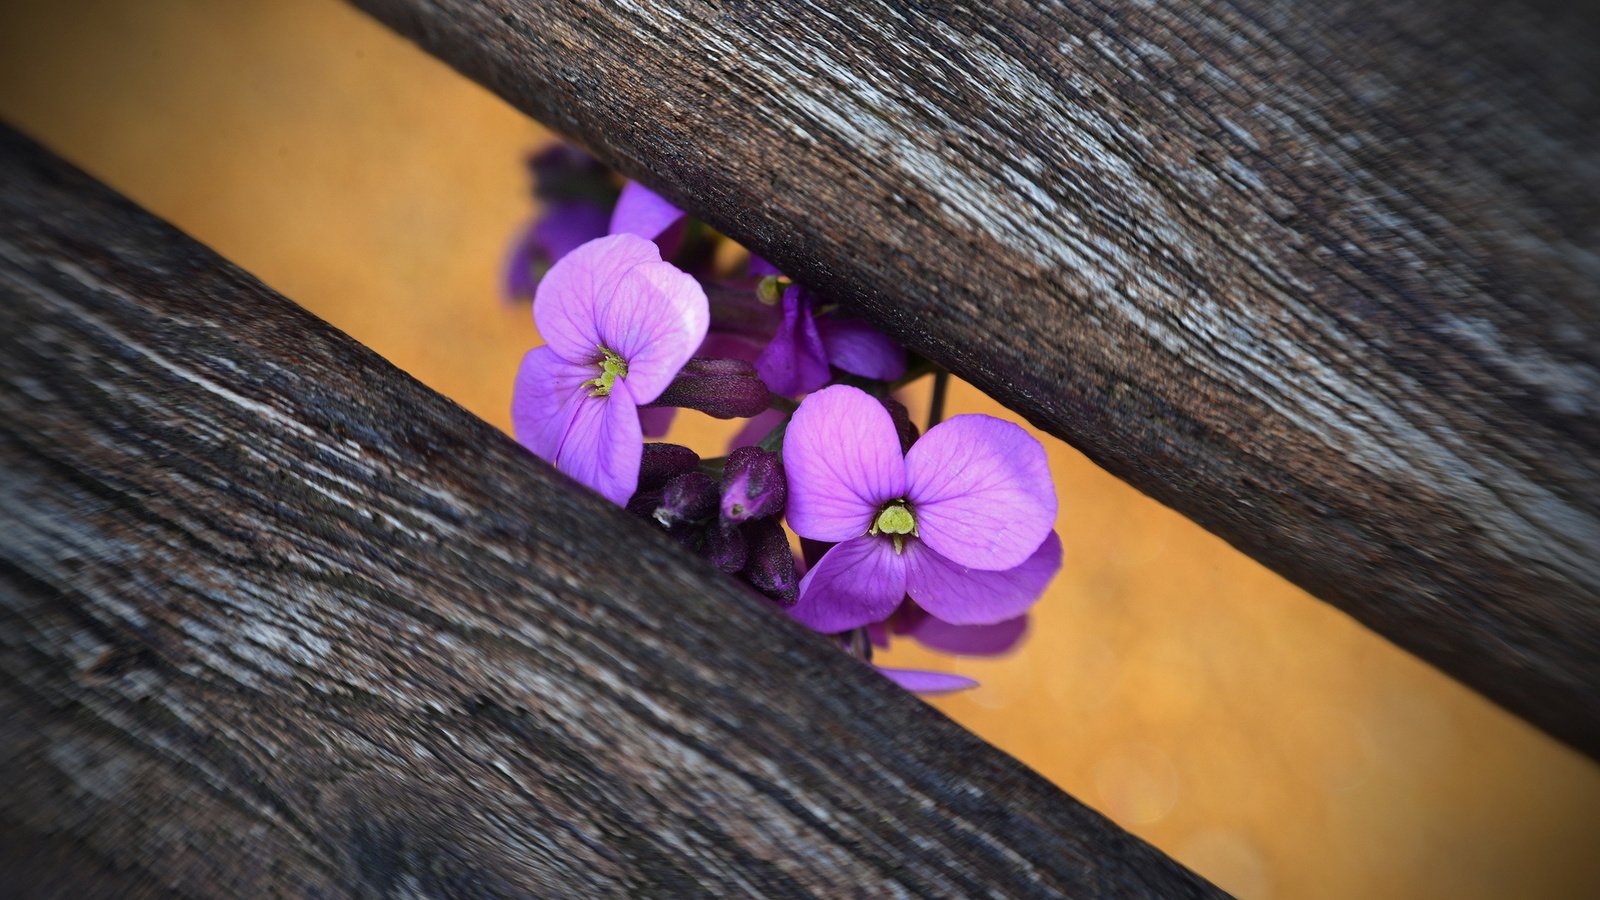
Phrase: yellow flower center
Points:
(896, 521)
(612, 367)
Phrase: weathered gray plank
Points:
(277, 620)
(1321, 276)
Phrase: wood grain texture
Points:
(1323, 277)
(277, 620)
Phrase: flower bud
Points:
(687, 498)
(753, 485)
(771, 566)
(904, 428)
(726, 546)
(722, 388)
(661, 461)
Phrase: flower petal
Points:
(857, 582)
(970, 640)
(981, 491)
(603, 446)
(656, 421)
(963, 596)
(516, 269)
(860, 349)
(655, 319)
(756, 428)
(596, 440)
(925, 682)
(568, 303)
(843, 460)
(544, 399)
(567, 225)
(757, 267)
(794, 362)
(643, 212)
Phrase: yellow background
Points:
(1254, 733)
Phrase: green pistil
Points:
(612, 367)
(897, 522)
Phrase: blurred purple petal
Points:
(760, 268)
(962, 596)
(795, 362)
(857, 582)
(844, 462)
(878, 634)
(655, 318)
(970, 640)
(729, 346)
(981, 490)
(643, 212)
(567, 225)
(923, 682)
(757, 428)
(569, 299)
(517, 269)
(860, 349)
(656, 421)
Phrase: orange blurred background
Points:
(1259, 736)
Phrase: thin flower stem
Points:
(941, 386)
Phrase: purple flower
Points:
(649, 215)
(960, 522)
(618, 325)
(577, 194)
(806, 344)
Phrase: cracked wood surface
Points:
(1323, 277)
(277, 620)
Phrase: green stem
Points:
(941, 386)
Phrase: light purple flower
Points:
(960, 523)
(804, 346)
(618, 324)
(649, 215)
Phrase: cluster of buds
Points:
(732, 518)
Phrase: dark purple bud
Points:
(903, 426)
(643, 503)
(723, 388)
(661, 462)
(726, 547)
(753, 485)
(687, 498)
(771, 566)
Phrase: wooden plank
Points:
(1319, 276)
(275, 619)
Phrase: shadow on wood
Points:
(1319, 276)
(276, 619)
